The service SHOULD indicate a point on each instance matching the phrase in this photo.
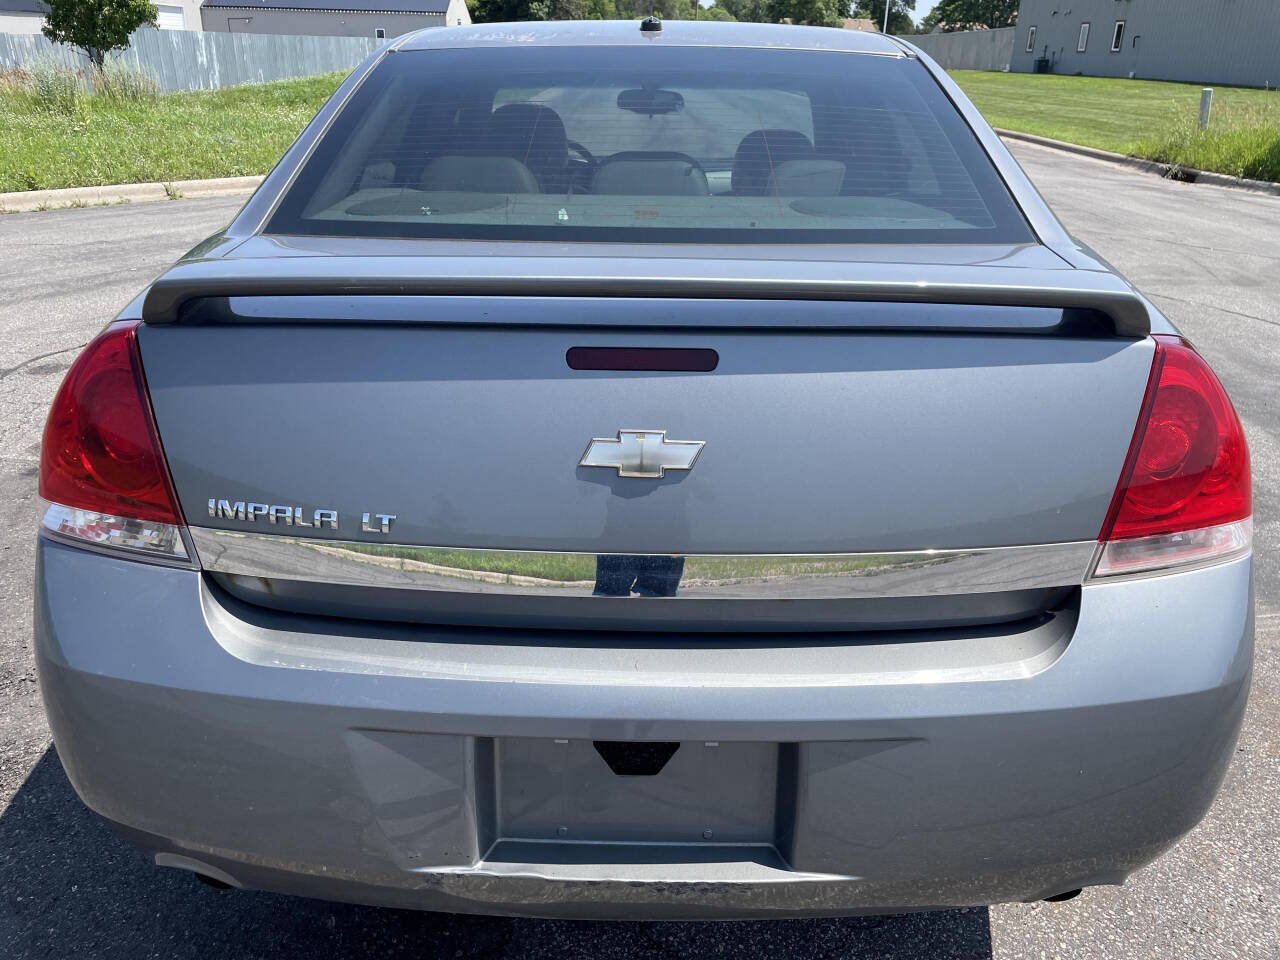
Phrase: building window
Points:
(169, 17)
(1031, 39)
(1084, 38)
(379, 33)
(1117, 38)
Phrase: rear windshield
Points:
(620, 144)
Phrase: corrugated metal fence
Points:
(970, 50)
(183, 60)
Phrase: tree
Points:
(97, 26)
(663, 9)
(899, 14)
(952, 15)
(749, 11)
(815, 13)
(500, 11)
(569, 10)
(675, 9)
(827, 13)
(716, 11)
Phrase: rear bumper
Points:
(454, 770)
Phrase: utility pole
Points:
(886, 16)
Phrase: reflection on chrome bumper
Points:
(564, 574)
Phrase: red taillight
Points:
(101, 450)
(1185, 495)
(1188, 466)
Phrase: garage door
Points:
(169, 17)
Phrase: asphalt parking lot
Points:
(1208, 257)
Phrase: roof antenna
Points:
(651, 24)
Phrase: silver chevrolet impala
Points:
(646, 470)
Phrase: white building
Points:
(27, 16)
(1234, 42)
(378, 19)
(22, 16)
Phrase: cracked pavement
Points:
(1208, 256)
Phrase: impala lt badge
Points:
(291, 516)
(642, 453)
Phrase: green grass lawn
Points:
(176, 136)
(1143, 118)
(92, 140)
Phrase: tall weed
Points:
(53, 86)
(1244, 142)
(123, 82)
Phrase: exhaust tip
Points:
(1063, 897)
(206, 873)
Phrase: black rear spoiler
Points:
(177, 296)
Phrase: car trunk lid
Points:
(833, 429)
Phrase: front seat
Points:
(534, 135)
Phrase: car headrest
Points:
(759, 154)
(529, 132)
(651, 174)
(474, 173)
(807, 178)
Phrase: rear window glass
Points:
(619, 144)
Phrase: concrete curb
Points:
(24, 200)
(1223, 180)
(1165, 170)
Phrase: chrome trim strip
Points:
(701, 576)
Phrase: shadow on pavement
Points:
(70, 888)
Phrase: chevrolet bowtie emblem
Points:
(642, 453)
